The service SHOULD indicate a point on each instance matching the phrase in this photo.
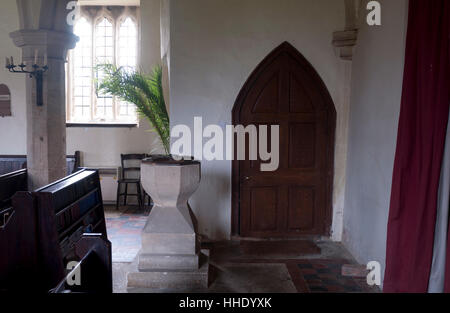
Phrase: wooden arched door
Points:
(295, 200)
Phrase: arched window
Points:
(103, 39)
(82, 71)
(127, 56)
(128, 43)
(104, 54)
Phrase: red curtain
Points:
(420, 147)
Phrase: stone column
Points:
(165, 47)
(344, 43)
(46, 125)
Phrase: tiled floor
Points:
(325, 276)
(287, 266)
(124, 231)
(316, 271)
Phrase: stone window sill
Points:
(102, 125)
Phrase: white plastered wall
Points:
(215, 45)
(100, 146)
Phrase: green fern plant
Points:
(145, 91)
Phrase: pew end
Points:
(93, 274)
(41, 232)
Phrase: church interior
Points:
(117, 174)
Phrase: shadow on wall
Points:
(212, 223)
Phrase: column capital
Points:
(54, 43)
(345, 40)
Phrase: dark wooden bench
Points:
(17, 233)
(94, 269)
(12, 163)
(10, 184)
(52, 227)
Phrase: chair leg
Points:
(126, 195)
(118, 196)
(145, 196)
(149, 200)
(138, 186)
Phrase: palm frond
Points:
(144, 91)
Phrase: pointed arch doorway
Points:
(296, 199)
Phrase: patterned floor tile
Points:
(325, 276)
(124, 232)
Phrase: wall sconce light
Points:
(37, 73)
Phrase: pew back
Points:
(12, 163)
(43, 230)
(66, 210)
(18, 244)
(10, 184)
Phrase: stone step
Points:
(169, 243)
(158, 262)
(170, 279)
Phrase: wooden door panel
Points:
(299, 100)
(294, 200)
(302, 145)
(307, 179)
(307, 87)
(264, 118)
(263, 215)
(301, 208)
(268, 98)
(264, 209)
(253, 167)
(266, 95)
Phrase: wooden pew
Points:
(10, 184)
(94, 269)
(12, 163)
(66, 210)
(20, 252)
(54, 222)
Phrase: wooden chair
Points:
(149, 199)
(145, 194)
(128, 180)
